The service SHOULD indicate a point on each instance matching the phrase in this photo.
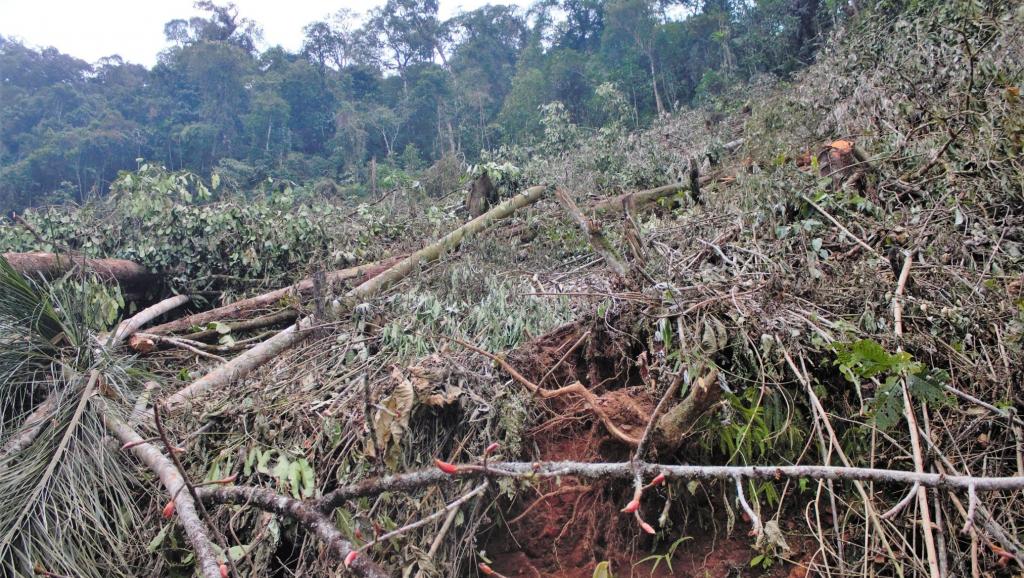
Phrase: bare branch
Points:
(134, 323)
(304, 512)
(172, 481)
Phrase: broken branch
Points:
(241, 366)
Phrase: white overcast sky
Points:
(134, 29)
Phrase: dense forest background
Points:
(397, 85)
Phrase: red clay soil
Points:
(568, 526)
(563, 528)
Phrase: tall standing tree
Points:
(636, 20)
(408, 32)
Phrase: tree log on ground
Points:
(52, 265)
(241, 366)
(245, 307)
(184, 506)
(593, 232)
(648, 196)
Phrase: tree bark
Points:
(129, 326)
(51, 265)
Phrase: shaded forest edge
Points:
(398, 85)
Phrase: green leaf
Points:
(155, 543)
(295, 479)
(603, 570)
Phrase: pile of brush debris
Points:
(576, 386)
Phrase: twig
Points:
(901, 285)
(1009, 542)
(540, 500)
(972, 509)
(922, 494)
(908, 414)
(755, 520)
(869, 507)
(409, 527)
(565, 356)
(891, 513)
(838, 224)
(935, 157)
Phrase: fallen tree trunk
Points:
(241, 366)
(410, 481)
(130, 326)
(280, 317)
(648, 196)
(244, 307)
(52, 265)
(448, 242)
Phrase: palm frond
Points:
(22, 303)
(68, 501)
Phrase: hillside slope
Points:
(845, 290)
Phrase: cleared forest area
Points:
(776, 334)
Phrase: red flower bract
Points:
(446, 467)
(631, 507)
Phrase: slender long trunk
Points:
(654, 85)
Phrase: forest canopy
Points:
(398, 85)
